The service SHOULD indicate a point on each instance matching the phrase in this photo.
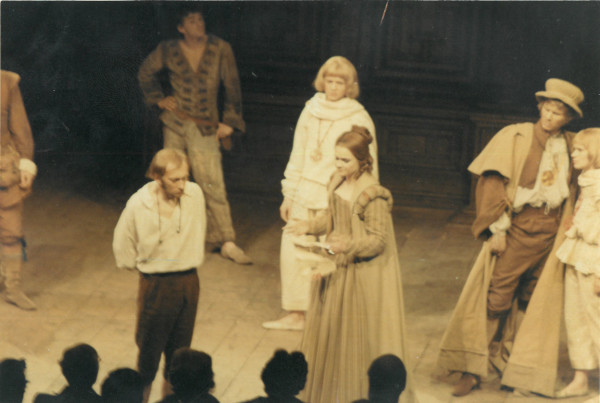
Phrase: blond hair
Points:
(162, 159)
(590, 140)
(570, 112)
(339, 66)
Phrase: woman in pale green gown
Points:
(356, 312)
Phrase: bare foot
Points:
(292, 321)
(577, 387)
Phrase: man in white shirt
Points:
(161, 234)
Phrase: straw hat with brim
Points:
(564, 91)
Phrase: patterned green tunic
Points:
(196, 92)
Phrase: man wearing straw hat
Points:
(508, 315)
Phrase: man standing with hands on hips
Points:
(197, 65)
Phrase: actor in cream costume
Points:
(332, 111)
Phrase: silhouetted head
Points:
(191, 372)
(80, 365)
(123, 385)
(387, 379)
(12, 380)
(285, 374)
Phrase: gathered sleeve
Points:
(125, 240)
(18, 124)
(589, 230)
(492, 205)
(147, 75)
(372, 243)
(232, 109)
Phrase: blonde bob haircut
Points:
(339, 66)
(590, 140)
(162, 159)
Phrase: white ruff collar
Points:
(321, 108)
(590, 180)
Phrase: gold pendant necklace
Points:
(317, 155)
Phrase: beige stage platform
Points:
(82, 297)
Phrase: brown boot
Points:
(466, 384)
(11, 267)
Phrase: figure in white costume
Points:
(332, 111)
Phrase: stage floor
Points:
(82, 297)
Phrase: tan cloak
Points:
(533, 360)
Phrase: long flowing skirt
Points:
(356, 315)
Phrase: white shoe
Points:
(233, 252)
(285, 323)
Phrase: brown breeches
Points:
(167, 306)
(528, 243)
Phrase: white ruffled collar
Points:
(589, 182)
(589, 178)
(321, 108)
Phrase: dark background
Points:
(438, 78)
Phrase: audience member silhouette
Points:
(123, 385)
(79, 366)
(387, 380)
(191, 377)
(284, 377)
(12, 380)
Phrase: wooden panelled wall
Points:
(438, 78)
(428, 79)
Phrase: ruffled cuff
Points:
(591, 233)
(28, 165)
(571, 232)
(501, 225)
(288, 190)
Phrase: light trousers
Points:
(582, 319)
(205, 162)
(295, 273)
